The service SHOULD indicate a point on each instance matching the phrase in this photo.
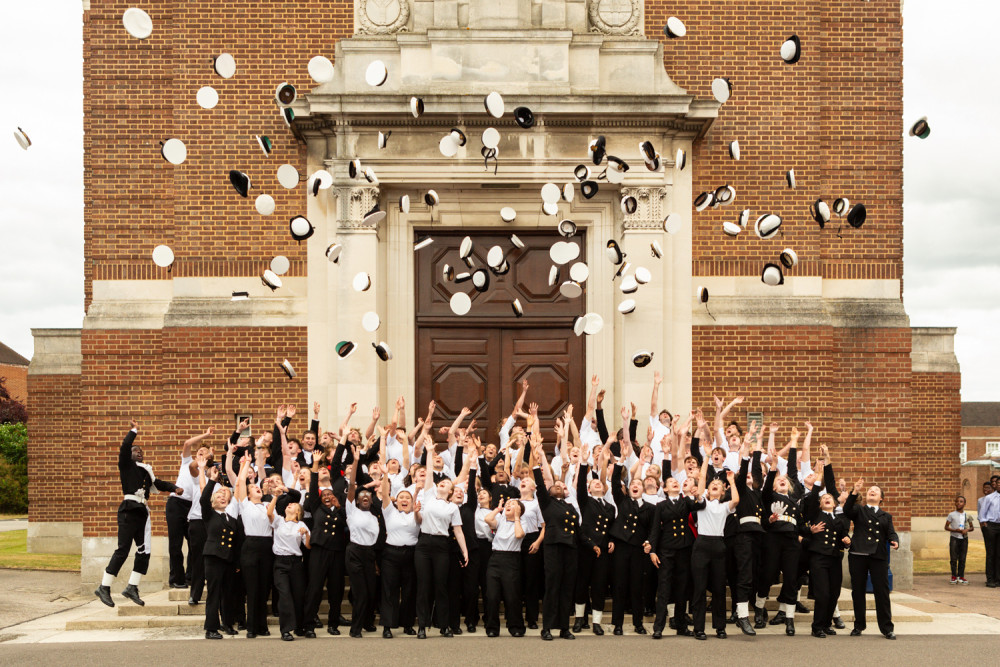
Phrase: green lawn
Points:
(14, 555)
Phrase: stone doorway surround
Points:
(579, 84)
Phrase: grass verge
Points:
(14, 555)
(975, 561)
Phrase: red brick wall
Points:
(852, 384)
(835, 117)
(16, 381)
(937, 427)
(54, 448)
(175, 383)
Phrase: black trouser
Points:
(708, 570)
(290, 581)
(196, 562)
(360, 566)
(470, 583)
(431, 560)
(485, 548)
(560, 577)
(649, 580)
(503, 581)
(221, 597)
(532, 577)
(627, 565)
(177, 525)
(958, 549)
(861, 568)
(826, 574)
(991, 538)
(133, 526)
(326, 570)
(781, 555)
(673, 577)
(398, 601)
(257, 566)
(592, 577)
(455, 586)
(746, 560)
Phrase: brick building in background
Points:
(14, 372)
(979, 449)
(832, 344)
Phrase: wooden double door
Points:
(480, 359)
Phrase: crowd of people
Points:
(434, 529)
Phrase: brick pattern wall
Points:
(54, 449)
(937, 426)
(852, 384)
(16, 381)
(176, 383)
(835, 117)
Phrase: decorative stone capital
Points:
(382, 17)
(354, 203)
(615, 17)
(649, 212)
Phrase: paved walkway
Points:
(13, 524)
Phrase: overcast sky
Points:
(952, 269)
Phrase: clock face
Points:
(614, 12)
(382, 12)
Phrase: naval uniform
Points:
(432, 557)
(363, 529)
(398, 601)
(869, 556)
(133, 515)
(749, 532)
(629, 532)
(825, 551)
(289, 574)
(221, 548)
(256, 563)
(781, 545)
(328, 542)
(671, 538)
(176, 513)
(503, 580)
(561, 524)
(708, 563)
(592, 569)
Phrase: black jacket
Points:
(872, 529)
(632, 523)
(750, 500)
(791, 518)
(598, 514)
(329, 525)
(669, 527)
(561, 518)
(135, 477)
(220, 529)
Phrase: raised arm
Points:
(592, 398)
(241, 479)
(270, 507)
(602, 427)
(352, 479)
(453, 429)
(702, 477)
(491, 517)
(654, 399)
(519, 405)
(735, 499)
(370, 429)
(125, 452)
(346, 424)
(193, 442)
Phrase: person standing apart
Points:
(959, 525)
(869, 556)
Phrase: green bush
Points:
(13, 468)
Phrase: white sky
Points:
(951, 202)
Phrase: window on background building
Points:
(963, 452)
(993, 448)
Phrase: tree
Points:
(12, 411)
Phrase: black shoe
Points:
(469, 627)
(241, 626)
(409, 631)
(778, 619)
(744, 625)
(649, 611)
(355, 635)
(132, 593)
(192, 602)
(837, 623)
(178, 585)
(287, 637)
(517, 633)
(310, 634)
(990, 584)
(640, 630)
(685, 632)
(228, 629)
(316, 622)
(532, 626)
(251, 635)
(578, 624)
(732, 619)
(721, 634)
(618, 631)
(456, 631)
(597, 629)
(332, 630)
(546, 635)
(386, 633)
(566, 634)
(264, 633)
(700, 636)
(801, 608)
(890, 635)
(688, 620)
(212, 634)
(369, 628)
(340, 620)
(300, 633)
(760, 618)
(829, 631)
(657, 633)
(790, 627)
(421, 634)
(818, 634)
(446, 632)
(492, 633)
(855, 632)
(103, 594)
(671, 624)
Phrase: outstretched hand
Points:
(132, 423)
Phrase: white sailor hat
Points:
(567, 228)
(550, 208)
(354, 168)
(508, 214)
(724, 195)
(240, 181)
(579, 272)
(629, 205)
(656, 249)
(431, 198)
(383, 351)
(614, 252)
(345, 348)
(629, 284)
(288, 176)
(370, 176)
(516, 307)
(731, 228)
(320, 180)
(581, 172)
(491, 138)
(383, 140)
(568, 192)
(722, 89)
(481, 280)
(460, 303)
(362, 282)
(647, 151)
(280, 265)
(654, 164)
(703, 201)
(789, 258)
(374, 216)
(422, 243)
(767, 225)
(376, 74)
(579, 324)
(300, 228)
(163, 256)
(524, 117)
(137, 23)
(598, 149)
(333, 252)
(672, 223)
(494, 104)
(791, 50)
(674, 28)
(551, 193)
(518, 243)
(264, 204)
(702, 293)
(592, 323)
(588, 189)
(642, 275)
(286, 366)
(627, 306)
(790, 178)
(321, 69)
(841, 205)
(285, 94)
(448, 146)
(448, 273)
(553, 275)
(370, 321)
(820, 212)
(404, 204)
(744, 218)
(734, 149)
(570, 289)
(173, 150)
(270, 279)
(494, 258)
(680, 159)
(772, 275)
(642, 358)
(287, 115)
(416, 107)
(465, 249)
(24, 142)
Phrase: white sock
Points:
(107, 579)
(598, 617)
(670, 610)
(836, 611)
(790, 611)
(743, 609)
(134, 578)
(580, 608)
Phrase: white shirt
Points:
(654, 499)
(183, 475)
(659, 430)
(287, 538)
(401, 528)
(712, 519)
(255, 521)
(194, 514)
(505, 431)
(438, 515)
(362, 524)
(531, 518)
(504, 539)
(588, 435)
(396, 483)
(483, 530)
(732, 461)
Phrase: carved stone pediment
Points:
(382, 17)
(615, 17)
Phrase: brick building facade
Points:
(14, 373)
(832, 345)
